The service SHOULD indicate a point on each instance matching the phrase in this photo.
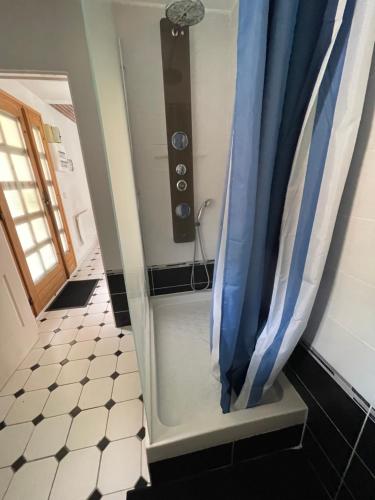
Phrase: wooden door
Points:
(51, 190)
(24, 209)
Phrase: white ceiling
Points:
(50, 91)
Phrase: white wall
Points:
(212, 82)
(342, 326)
(73, 185)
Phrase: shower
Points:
(198, 241)
(185, 12)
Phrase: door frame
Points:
(39, 293)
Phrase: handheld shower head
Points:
(204, 205)
(185, 12)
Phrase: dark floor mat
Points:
(74, 294)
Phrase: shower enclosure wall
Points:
(181, 397)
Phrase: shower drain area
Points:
(186, 415)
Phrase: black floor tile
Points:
(360, 481)
(342, 410)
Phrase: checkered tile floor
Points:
(72, 424)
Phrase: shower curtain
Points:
(302, 70)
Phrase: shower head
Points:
(185, 12)
(204, 205)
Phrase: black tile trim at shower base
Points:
(119, 299)
(175, 278)
(225, 455)
(339, 440)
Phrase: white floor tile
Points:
(82, 350)
(5, 477)
(64, 337)
(88, 428)
(59, 313)
(33, 481)
(54, 354)
(42, 377)
(49, 325)
(125, 419)
(27, 407)
(127, 343)
(74, 371)
(71, 322)
(79, 311)
(107, 346)
(93, 319)
(32, 358)
(119, 495)
(44, 339)
(120, 466)
(109, 330)
(97, 308)
(76, 475)
(127, 362)
(88, 333)
(13, 441)
(96, 393)
(99, 299)
(15, 382)
(126, 387)
(144, 464)
(48, 437)
(109, 318)
(102, 366)
(5, 403)
(62, 400)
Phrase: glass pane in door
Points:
(23, 199)
(51, 188)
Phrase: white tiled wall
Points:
(342, 326)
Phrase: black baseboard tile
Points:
(116, 282)
(264, 444)
(119, 302)
(122, 318)
(344, 494)
(179, 275)
(326, 433)
(347, 416)
(190, 464)
(366, 444)
(359, 480)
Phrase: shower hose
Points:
(198, 242)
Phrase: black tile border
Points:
(340, 432)
(225, 455)
(264, 444)
(190, 464)
(173, 278)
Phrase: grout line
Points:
(352, 454)
(321, 408)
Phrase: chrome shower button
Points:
(181, 185)
(181, 169)
(183, 210)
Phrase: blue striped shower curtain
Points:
(302, 70)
